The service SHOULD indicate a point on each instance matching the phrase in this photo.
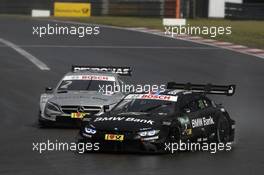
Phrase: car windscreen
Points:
(144, 105)
(84, 85)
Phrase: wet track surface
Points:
(155, 59)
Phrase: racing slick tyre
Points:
(174, 137)
(222, 130)
(43, 124)
(175, 134)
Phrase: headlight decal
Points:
(148, 133)
(89, 130)
(52, 107)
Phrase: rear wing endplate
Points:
(228, 90)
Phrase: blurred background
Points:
(231, 9)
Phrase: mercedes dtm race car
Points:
(145, 122)
(79, 93)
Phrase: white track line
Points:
(197, 41)
(114, 47)
(31, 58)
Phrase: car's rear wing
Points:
(113, 69)
(228, 90)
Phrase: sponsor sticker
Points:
(126, 119)
(189, 131)
(72, 9)
(200, 122)
(78, 114)
(152, 97)
(89, 77)
(117, 70)
(114, 137)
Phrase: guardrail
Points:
(244, 11)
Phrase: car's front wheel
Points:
(175, 134)
(42, 123)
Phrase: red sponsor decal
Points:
(88, 77)
(153, 96)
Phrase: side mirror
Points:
(48, 89)
(106, 108)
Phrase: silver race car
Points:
(81, 92)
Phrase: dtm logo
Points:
(199, 122)
(129, 119)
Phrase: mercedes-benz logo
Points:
(80, 109)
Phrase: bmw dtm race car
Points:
(79, 93)
(146, 122)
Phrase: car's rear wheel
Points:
(222, 130)
(42, 124)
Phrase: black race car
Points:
(149, 121)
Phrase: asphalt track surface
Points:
(154, 59)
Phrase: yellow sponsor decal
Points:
(189, 131)
(78, 115)
(114, 137)
(72, 9)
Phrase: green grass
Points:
(249, 33)
(121, 21)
